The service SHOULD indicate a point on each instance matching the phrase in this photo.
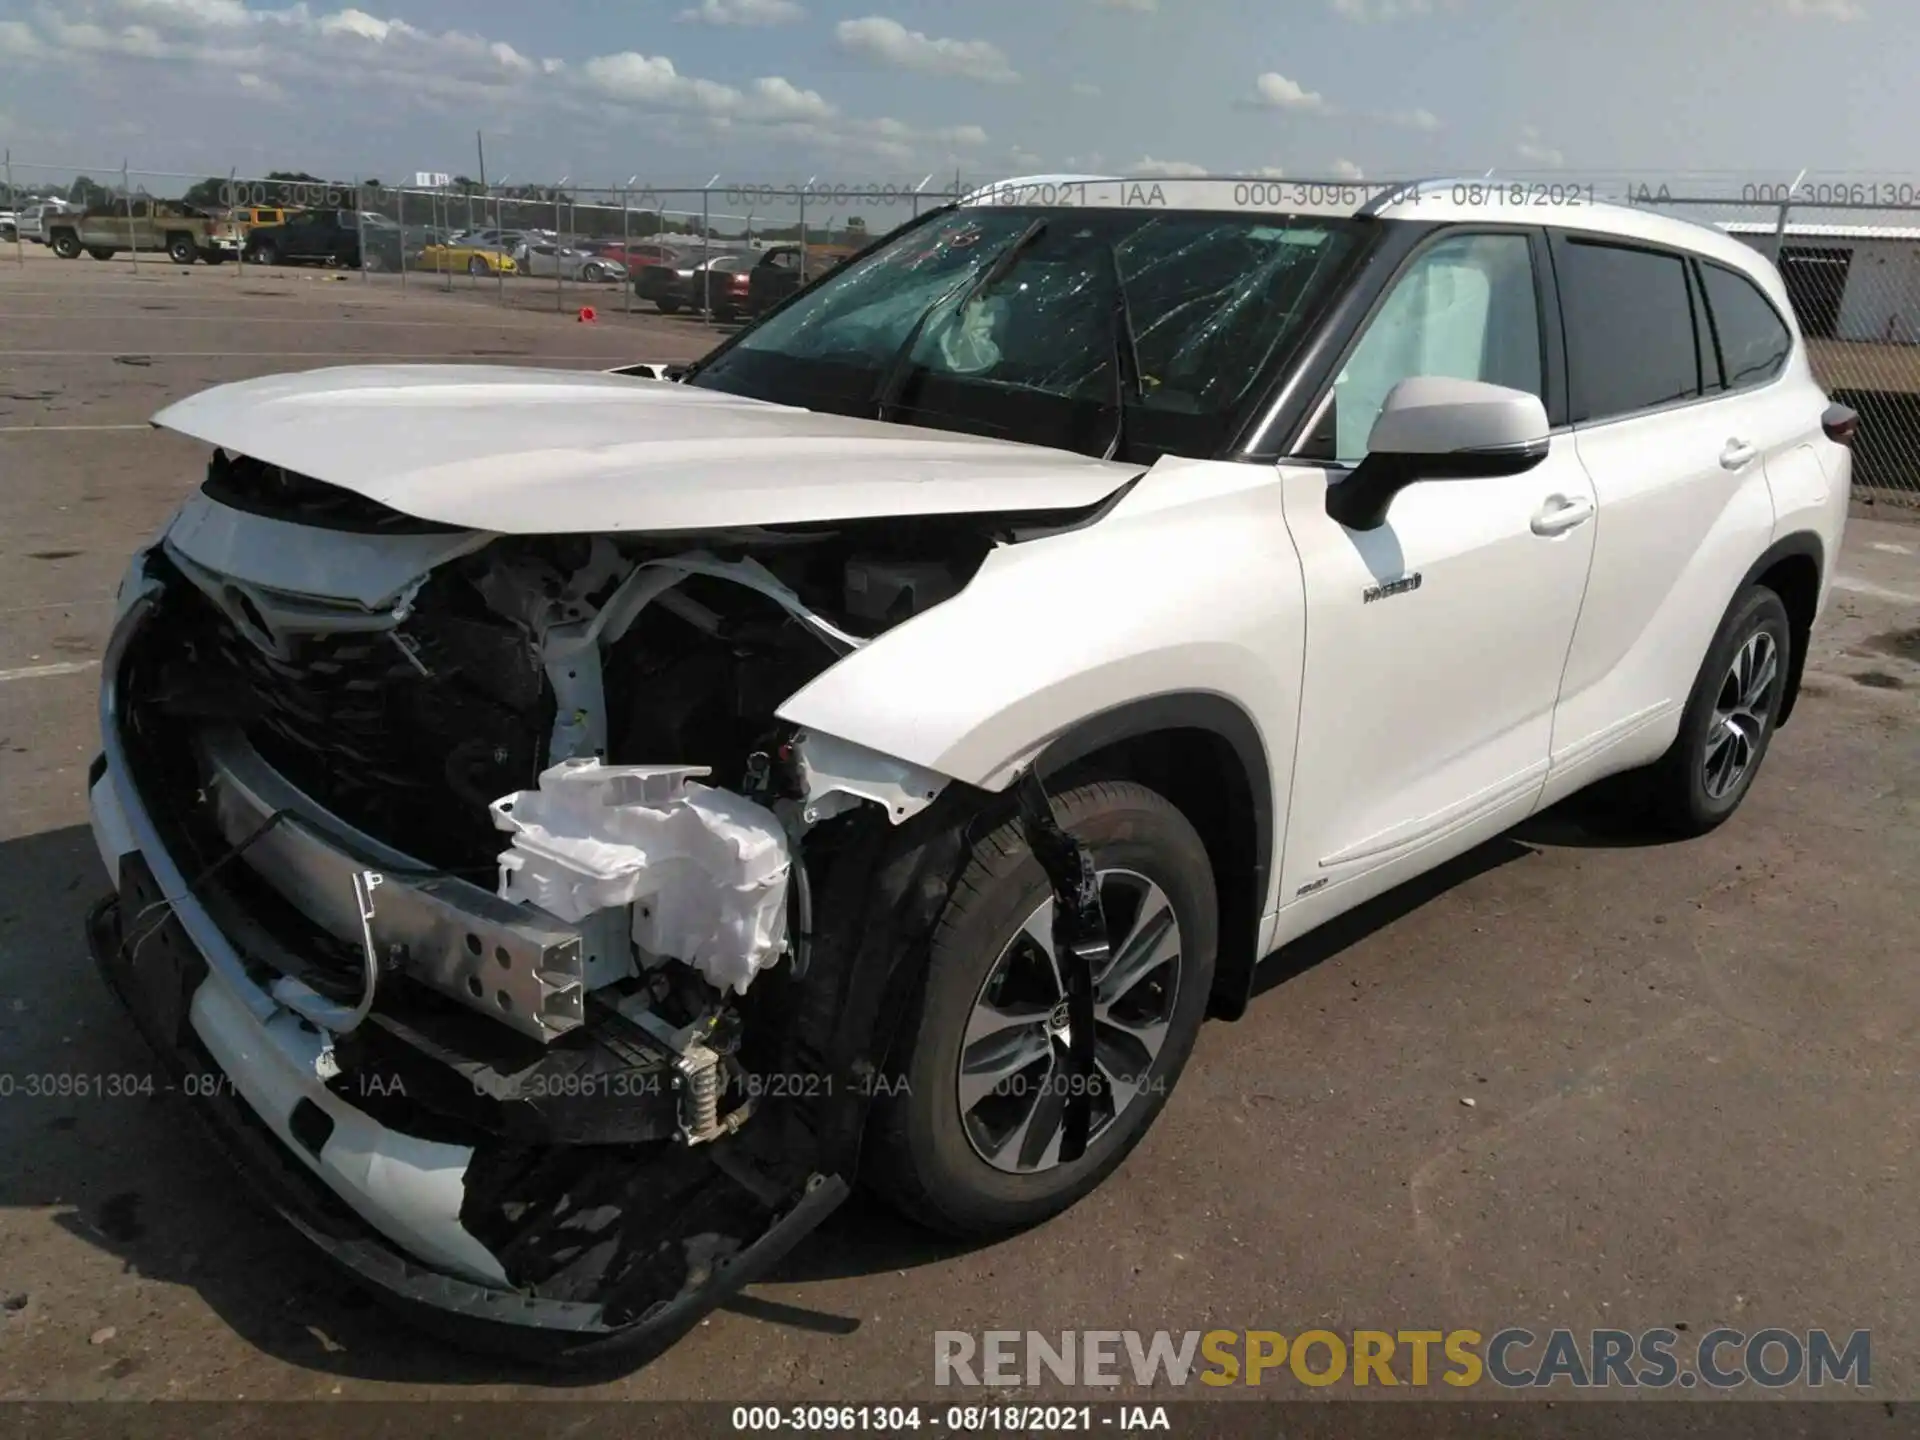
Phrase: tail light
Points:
(1840, 423)
(740, 282)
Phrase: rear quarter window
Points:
(1754, 341)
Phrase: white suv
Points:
(569, 827)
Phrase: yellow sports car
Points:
(474, 259)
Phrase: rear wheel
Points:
(373, 263)
(264, 252)
(668, 307)
(970, 1142)
(1729, 719)
(476, 266)
(100, 253)
(66, 245)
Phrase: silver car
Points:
(546, 259)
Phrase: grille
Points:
(413, 759)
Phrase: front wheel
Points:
(668, 307)
(66, 245)
(476, 266)
(265, 253)
(1729, 719)
(967, 1134)
(99, 252)
(181, 250)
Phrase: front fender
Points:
(1189, 586)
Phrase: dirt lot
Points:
(1691, 1067)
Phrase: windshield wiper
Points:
(1126, 355)
(895, 378)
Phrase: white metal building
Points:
(1847, 282)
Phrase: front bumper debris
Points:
(515, 1240)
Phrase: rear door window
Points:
(1631, 339)
(1754, 341)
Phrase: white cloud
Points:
(1023, 158)
(258, 87)
(1531, 148)
(1277, 92)
(1086, 89)
(1166, 169)
(367, 27)
(745, 13)
(652, 82)
(1347, 170)
(1271, 172)
(888, 42)
(1372, 10)
(1138, 7)
(1413, 119)
(209, 13)
(17, 41)
(1824, 9)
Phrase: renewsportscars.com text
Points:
(1511, 1358)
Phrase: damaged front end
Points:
(539, 970)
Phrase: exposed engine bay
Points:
(511, 825)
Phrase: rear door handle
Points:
(1561, 513)
(1737, 455)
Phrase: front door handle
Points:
(1737, 455)
(1561, 513)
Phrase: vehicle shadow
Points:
(1604, 816)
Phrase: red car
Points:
(635, 254)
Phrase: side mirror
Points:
(1435, 428)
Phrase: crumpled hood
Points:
(519, 450)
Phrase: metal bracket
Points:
(1080, 945)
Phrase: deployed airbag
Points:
(705, 870)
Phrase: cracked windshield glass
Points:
(1008, 322)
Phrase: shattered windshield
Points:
(1212, 301)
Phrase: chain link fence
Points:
(1848, 250)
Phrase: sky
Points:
(780, 92)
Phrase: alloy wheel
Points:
(1012, 1084)
(1740, 715)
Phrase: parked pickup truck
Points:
(183, 232)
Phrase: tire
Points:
(373, 264)
(922, 1155)
(477, 266)
(214, 257)
(265, 253)
(181, 249)
(99, 252)
(1733, 707)
(668, 307)
(65, 244)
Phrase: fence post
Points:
(360, 233)
(803, 236)
(239, 230)
(559, 265)
(706, 258)
(400, 219)
(13, 199)
(133, 231)
(626, 241)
